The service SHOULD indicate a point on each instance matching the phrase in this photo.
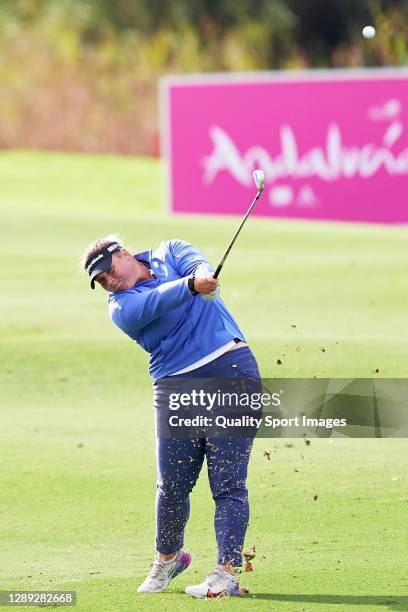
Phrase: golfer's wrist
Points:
(191, 285)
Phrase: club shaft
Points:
(231, 244)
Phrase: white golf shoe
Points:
(162, 572)
(218, 583)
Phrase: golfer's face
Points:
(120, 275)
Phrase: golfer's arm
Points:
(187, 258)
(140, 309)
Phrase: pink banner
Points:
(333, 144)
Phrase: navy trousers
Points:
(179, 462)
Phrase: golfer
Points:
(167, 301)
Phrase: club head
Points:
(259, 178)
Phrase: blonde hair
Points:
(96, 245)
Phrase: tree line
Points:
(82, 74)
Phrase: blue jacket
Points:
(164, 318)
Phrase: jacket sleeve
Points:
(138, 310)
(187, 258)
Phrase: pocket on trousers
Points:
(248, 367)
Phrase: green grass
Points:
(77, 463)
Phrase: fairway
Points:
(77, 463)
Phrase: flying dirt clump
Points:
(248, 556)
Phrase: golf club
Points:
(259, 178)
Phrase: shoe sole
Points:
(236, 592)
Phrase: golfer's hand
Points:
(209, 297)
(206, 283)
